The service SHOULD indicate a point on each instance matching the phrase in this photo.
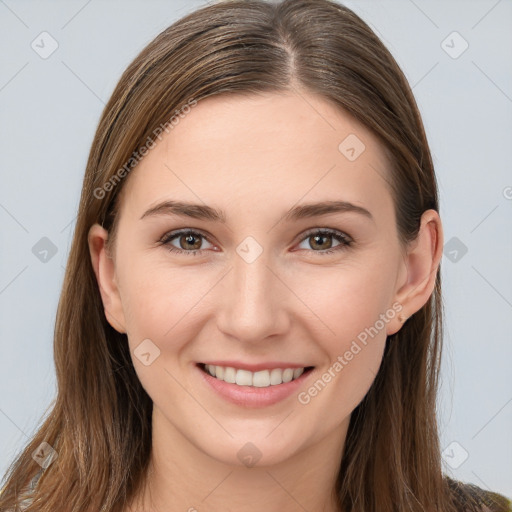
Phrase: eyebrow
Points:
(204, 212)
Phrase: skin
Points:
(255, 157)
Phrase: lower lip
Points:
(250, 396)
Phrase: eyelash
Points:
(345, 240)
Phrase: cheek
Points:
(162, 303)
(353, 361)
(345, 299)
(353, 305)
(349, 300)
(340, 387)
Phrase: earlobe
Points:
(104, 269)
(421, 263)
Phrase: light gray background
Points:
(49, 112)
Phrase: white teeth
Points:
(219, 372)
(288, 375)
(276, 376)
(260, 379)
(243, 378)
(298, 372)
(230, 375)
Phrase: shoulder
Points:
(471, 498)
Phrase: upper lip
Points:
(269, 365)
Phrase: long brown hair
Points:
(100, 422)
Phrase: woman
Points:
(251, 312)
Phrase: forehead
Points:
(263, 149)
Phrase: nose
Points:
(253, 301)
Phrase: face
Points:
(271, 284)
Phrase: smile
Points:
(259, 379)
(253, 389)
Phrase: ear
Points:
(104, 268)
(417, 276)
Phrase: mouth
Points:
(263, 387)
(263, 378)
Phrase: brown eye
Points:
(321, 241)
(190, 242)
